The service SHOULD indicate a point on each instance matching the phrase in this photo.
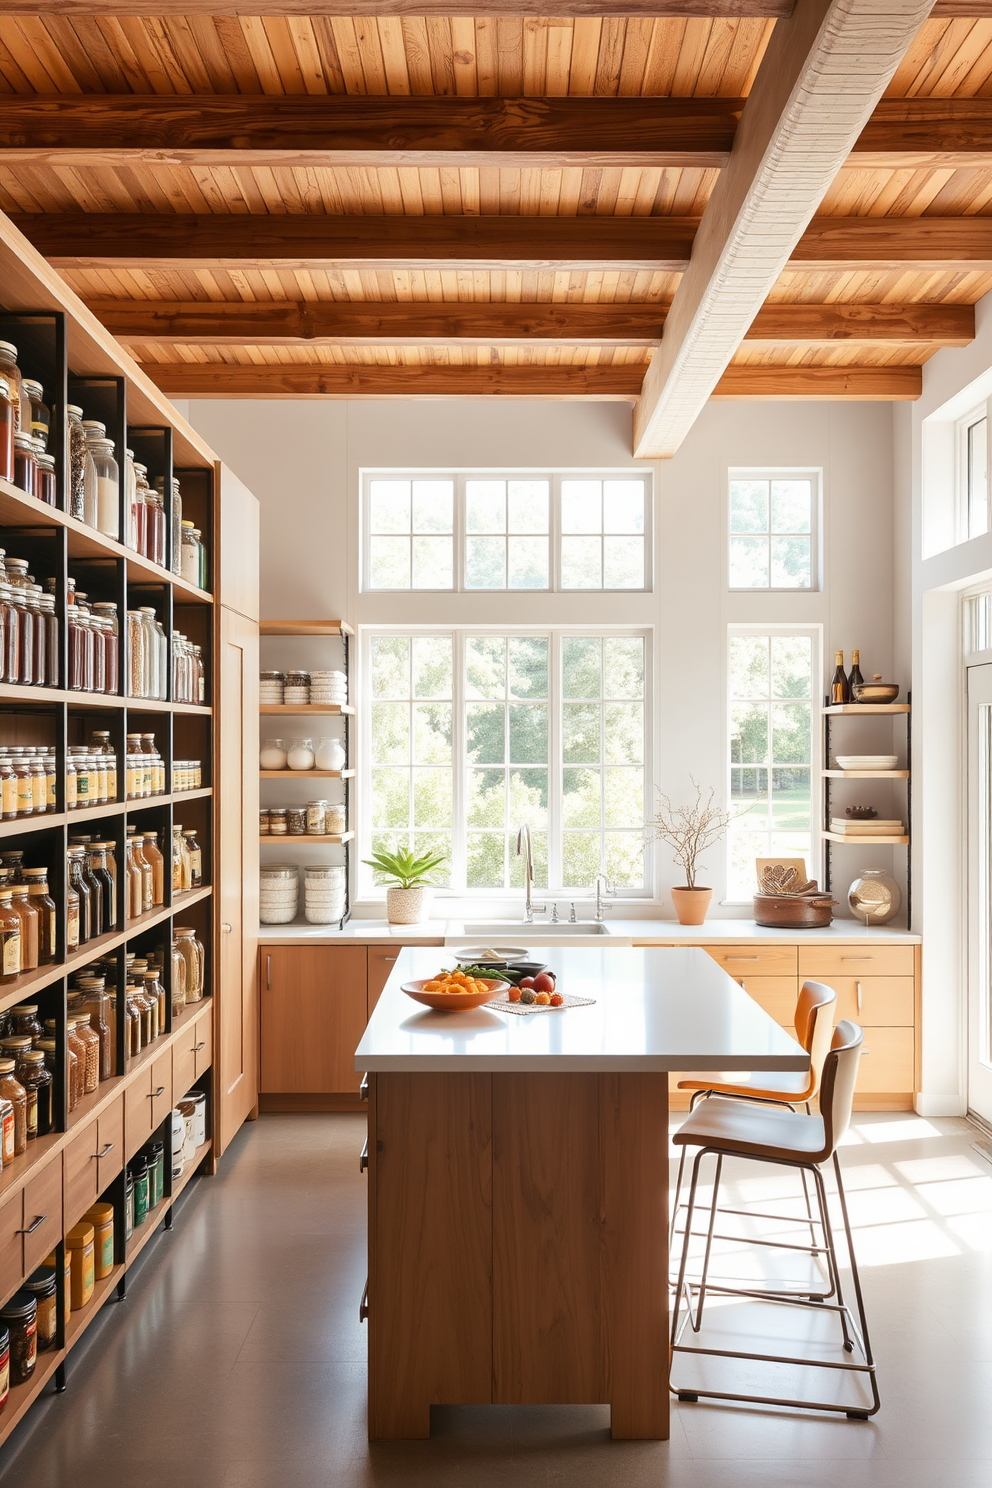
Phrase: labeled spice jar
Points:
(36, 1078)
(316, 818)
(12, 1090)
(278, 823)
(6, 1132)
(263, 819)
(10, 938)
(19, 1316)
(155, 1156)
(4, 1366)
(101, 1217)
(296, 820)
(43, 1286)
(139, 1172)
(7, 415)
(193, 954)
(195, 858)
(80, 1245)
(48, 916)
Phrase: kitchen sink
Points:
(512, 930)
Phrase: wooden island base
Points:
(518, 1245)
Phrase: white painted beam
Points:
(823, 73)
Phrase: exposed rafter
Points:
(821, 76)
(405, 323)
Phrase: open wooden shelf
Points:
(306, 774)
(304, 837)
(866, 837)
(329, 710)
(865, 710)
(22, 1397)
(141, 1236)
(305, 628)
(76, 817)
(865, 774)
(80, 1320)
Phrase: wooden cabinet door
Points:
(237, 546)
(81, 1173)
(776, 994)
(203, 1045)
(42, 1214)
(137, 1113)
(161, 1088)
(382, 959)
(313, 1017)
(110, 1143)
(11, 1243)
(236, 988)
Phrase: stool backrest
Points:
(814, 1029)
(840, 1073)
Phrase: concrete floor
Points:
(238, 1360)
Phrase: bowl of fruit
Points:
(453, 991)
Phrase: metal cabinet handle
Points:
(363, 1161)
(153, 1094)
(268, 973)
(226, 926)
(391, 958)
(741, 958)
(197, 1047)
(363, 1310)
(363, 1089)
(743, 985)
(40, 1220)
(857, 958)
(108, 1147)
(860, 998)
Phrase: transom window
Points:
(473, 732)
(772, 687)
(975, 472)
(773, 523)
(489, 531)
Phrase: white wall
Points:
(302, 459)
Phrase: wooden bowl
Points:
(876, 692)
(450, 1002)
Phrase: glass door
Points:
(980, 891)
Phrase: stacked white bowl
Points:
(325, 893)
(270, 687)
(296, 689)
(279, 893)
(327, 688)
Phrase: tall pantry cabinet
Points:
(205, 1049)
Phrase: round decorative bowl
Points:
(876, 692)
(874, 897)
(450, 1002)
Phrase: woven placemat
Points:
(502, 1004)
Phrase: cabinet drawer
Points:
(81, 1173)
(203, 1043)
(137, 1114)
(887, 1061)
(161, 1088)
(761, 960)
(823, 962)
(884, 1002)
(777, 995)
(11, 1244)
(110, 1143)
(382, 959)
(184, 1061)
(42, 1202)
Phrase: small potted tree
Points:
(689, 831)
(407, 881)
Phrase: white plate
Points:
(475, 955)
(867, 761)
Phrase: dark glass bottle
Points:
(79, 884)
(855, 680)
(840, 692)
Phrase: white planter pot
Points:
(407, 906)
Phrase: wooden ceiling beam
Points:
(822, 74)
(98, 130)
(733, 10)
(72, 239)
(610, 383)
(402, 323)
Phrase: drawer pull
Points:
(226, 926)
(363, 1309)
(363, 1089)
(39, 1220)
(363, 1161)
(108, 1147)
(860, 998)
(391, 958)
(197, 1047)
(864, 1050)
(741, 958)
(154, 1094)
(857, 958)
(268, 973)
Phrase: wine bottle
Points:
(840, 692)
(855, 679)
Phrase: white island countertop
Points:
(655, 1009)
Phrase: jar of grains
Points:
(296, 820)
(279, 893)
(325, 893)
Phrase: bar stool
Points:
(814, 1025)
(789, 1139)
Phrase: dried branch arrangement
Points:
(689, 830)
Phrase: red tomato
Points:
(543, 982)
(526, 982)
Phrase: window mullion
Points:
(459, 866)
(555, 845)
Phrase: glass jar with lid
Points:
(273, 754)
(11, 372)
(8, 416)
(11, 1089)
(108, 487)
(193, 954)
(76, 496)
(90, 1040)
(324, 893)
(300, 754)
(96, 1003)
(278, 823)
(156, 862)
(10, 938)
(20, 1318)
(296, 821)
(36, 1078)
(25, 464)
(37, 410)
(42, 1285)
(93, 429)
(279, 891)
(48, 915)
(47, 480)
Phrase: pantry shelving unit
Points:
(46, 1190)
(896, 711)
(321, 630)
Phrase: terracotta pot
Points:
(407, 906)
(691, 904)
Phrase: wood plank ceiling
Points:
(133, 147)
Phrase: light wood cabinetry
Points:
(382, 959)
(877, 985)
(314, 1011)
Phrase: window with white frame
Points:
(471, 732)
(973, 476)
(484, 531)
(773, 524)
(773, 677)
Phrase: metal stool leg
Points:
(862, 1315)
(680, 1284)
(832, 1257)
(709, 1242)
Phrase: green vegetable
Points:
(488, 973)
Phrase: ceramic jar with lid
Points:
(330, 754)
(270, 688)
(20, 1317)
(296, 689)
(279, 893)
(324, 893)
(272, 755)
(300, 755)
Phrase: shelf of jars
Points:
(22, 1397)
(21, 825)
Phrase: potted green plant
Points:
(407, 882)
(689, 830)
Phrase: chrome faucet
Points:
(602, 886)
(524, 839)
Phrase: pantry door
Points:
(980, 891)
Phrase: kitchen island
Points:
(518, 1183)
